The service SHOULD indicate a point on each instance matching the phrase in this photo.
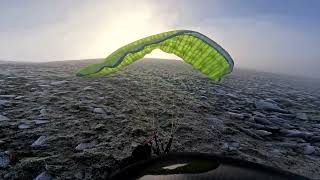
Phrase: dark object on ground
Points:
(200, 166)
(144, 151)
(140, 153)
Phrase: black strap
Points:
(168, 147)
(157, 146)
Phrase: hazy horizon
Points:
(270, 36)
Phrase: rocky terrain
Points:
(54, 125)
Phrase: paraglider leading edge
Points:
(195, 34)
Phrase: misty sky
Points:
(269, 35)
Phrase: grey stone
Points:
(99, 110)
(296, 133)
(23, 126)
(44, 85)
(56, 83)
(276, 152)
(19, 97)
(202, 91)
(3, 118)
(268, 106)
(98, 127)
(307, 150)
(4, 160)
(4, 103)
(120, 116)
(83, 146)
(88, 88)
(40, 141)
(100, 98)
(43, 176)
(302, 116)
(235, 115)
(271, 101)
(43, 111)
(39, 122)
(234, 146)
(134, 144)
(263, 133)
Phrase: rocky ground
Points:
(54, 125)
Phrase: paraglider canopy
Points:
(193, 47)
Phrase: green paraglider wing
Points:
(193, 47)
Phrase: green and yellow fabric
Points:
(193, 47)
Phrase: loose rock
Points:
(235, 115)
(4, 103)
(88, 88)
(309, 150)
(23, 126)
(234, 146)
(99, 110)
(98, 127)
(43, 112)
(3, 118)
(39, 122)
(83, 146)
(44, 176)
(263, 133)
(268, 106)
(40, 141)
(56, 83)
(19, 97)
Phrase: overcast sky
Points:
(269, 35)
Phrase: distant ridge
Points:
(66, 60)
